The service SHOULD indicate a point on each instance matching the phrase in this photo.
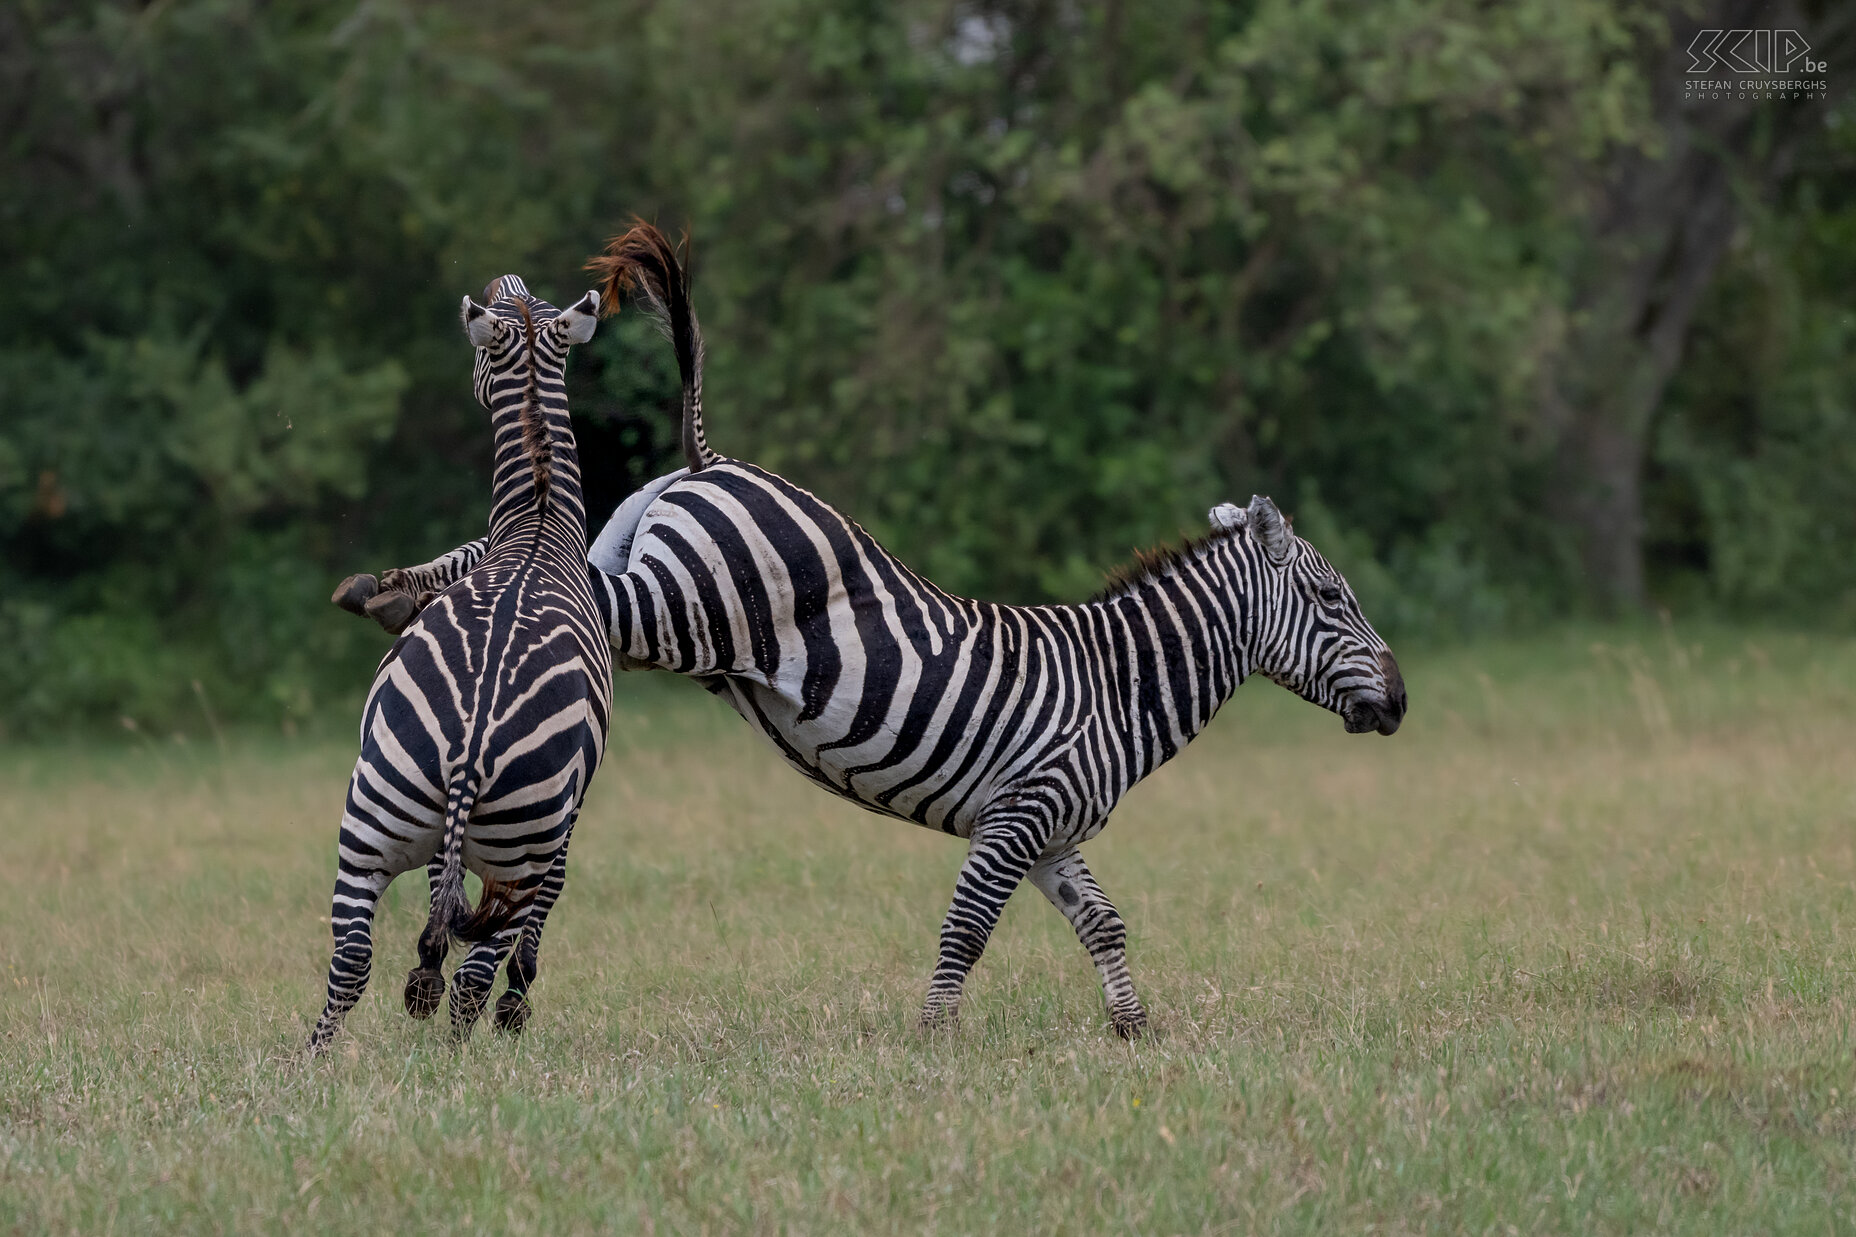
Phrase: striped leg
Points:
(512, 1008)
(1065, 879)
(1001, 852)
(425, 983)
(351, 921)
(472, 981)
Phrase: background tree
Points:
(1659, 217)
(1515, 329)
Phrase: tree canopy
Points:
(1513, 317)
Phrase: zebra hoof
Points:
(466, 1008)
(425, 988)
(938, 1021)
(512, 1010)
(354, 593)
(1129, 1026)
(392, 610)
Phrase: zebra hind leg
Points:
(512, 1008)
(425, 983)
(351, 921)
(998, 857)
(493, 928)
(1066, 880)
(472, 981)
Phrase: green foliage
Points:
(1020, 287)
(1758, 451)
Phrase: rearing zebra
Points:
(1018, 728)
(489, 715)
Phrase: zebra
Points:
(488, 716)
(1015, 728)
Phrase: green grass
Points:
(1571, 952)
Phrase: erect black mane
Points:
(536, 442)
(1153, 563)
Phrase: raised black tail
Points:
(643, 261)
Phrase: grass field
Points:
(1572, 952)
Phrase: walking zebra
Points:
(488, 716)
(1017, 728)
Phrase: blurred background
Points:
(1518, 327)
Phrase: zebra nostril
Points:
(1394, 681)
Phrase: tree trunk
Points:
(1660, 226)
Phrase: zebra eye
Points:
(1329, 593)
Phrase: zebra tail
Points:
(449, 905)
(497, 909)
(644, 262)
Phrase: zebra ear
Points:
(1271, 530)
(579, 320)
(478, 324)
(1229, 517)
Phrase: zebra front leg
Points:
(425, 983)
(355, 592)
(1065, 879)
(351, 922)
(389, 603)
(401, 592)
(394, 609)
(998, 857)
(512, 1008)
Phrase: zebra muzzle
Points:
(1381, 710)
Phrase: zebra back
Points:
(889, 691)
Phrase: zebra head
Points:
(1310, 635)
(517, 332)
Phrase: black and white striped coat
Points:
(488, 716)
(1018, 728)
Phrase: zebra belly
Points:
(945, 798)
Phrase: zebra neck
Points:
(1181, 639)
(518, 506)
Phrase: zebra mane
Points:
(1153, 563)
(537, 442)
